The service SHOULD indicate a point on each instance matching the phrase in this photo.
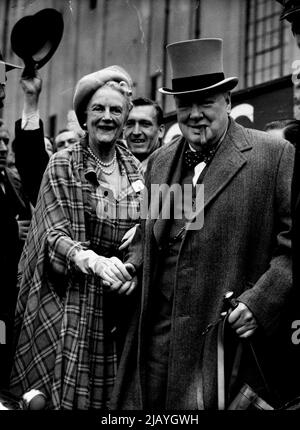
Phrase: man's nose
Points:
(196, 111)
(136, 129)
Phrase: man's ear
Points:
(227, 97)
(161, 131)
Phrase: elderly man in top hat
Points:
(244, 245)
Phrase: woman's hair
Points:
(123, 89)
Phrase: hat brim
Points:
(10, 66)
(288, 15)
(228, 84)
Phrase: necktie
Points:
(192, 158)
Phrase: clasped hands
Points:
(116, 275)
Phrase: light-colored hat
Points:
(89, 84)
(197, 66)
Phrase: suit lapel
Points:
(227, 162)
(168, 171)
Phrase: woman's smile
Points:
(106, 114)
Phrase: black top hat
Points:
(35, 38)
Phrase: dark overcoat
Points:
(14, 203)
(244, 246)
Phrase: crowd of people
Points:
(114, 284)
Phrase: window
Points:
(267, 42)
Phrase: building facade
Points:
(258, 48)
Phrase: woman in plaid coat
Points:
(72, 279)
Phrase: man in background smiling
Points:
(144, 129)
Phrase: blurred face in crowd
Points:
(142, 131)
(4, 139)
(203, 119)
(106, 114)
(64, 140)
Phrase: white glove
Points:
(85, 261)
(111, 270)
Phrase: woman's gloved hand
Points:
(111, 270)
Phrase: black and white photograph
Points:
(149, 209)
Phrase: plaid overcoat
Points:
(62, 345)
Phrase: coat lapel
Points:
(168, 171)
(228, 161)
